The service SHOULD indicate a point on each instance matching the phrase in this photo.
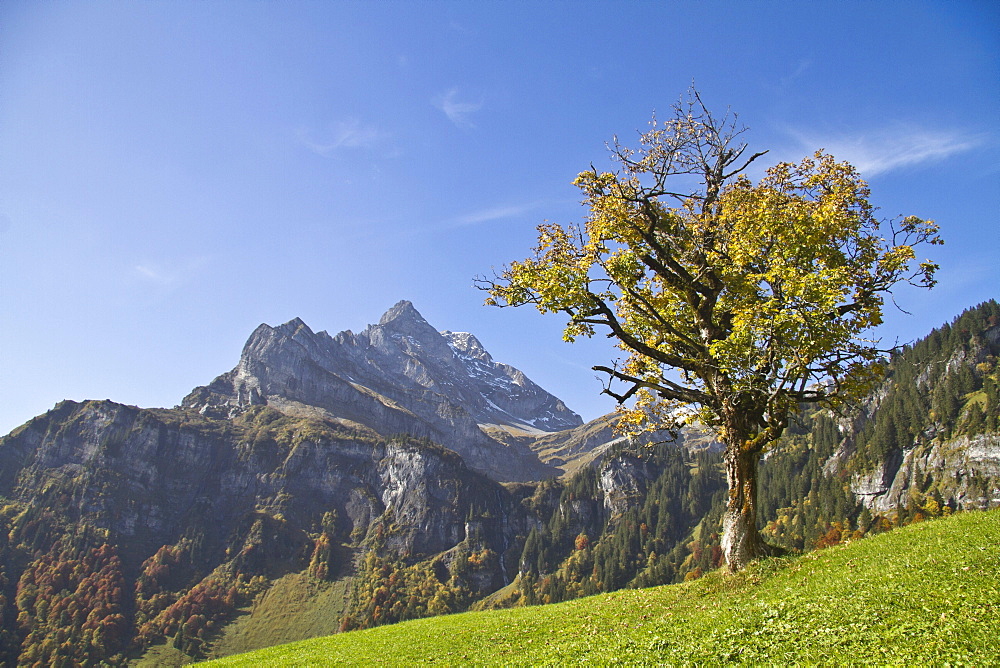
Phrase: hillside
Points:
(281, 490)
(923, 443)
(927, 592)
(304, 492)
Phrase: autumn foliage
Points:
(735, 301)
(70, 607)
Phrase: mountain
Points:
(194, 515)
(931, 428)
(338, 482)
(924, 443)
(316, 462)
(399, 376)
(922, 595)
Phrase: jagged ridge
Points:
(399, 376)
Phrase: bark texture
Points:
(741, 541)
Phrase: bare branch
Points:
(662, 387)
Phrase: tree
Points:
(736, 302)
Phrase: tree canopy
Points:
(735, 301)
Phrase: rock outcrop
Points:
(399, 376)
(623, 481)
(929, 430)
(965, 470)
(151, 477)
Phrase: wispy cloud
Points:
(800, 69)
(882, 151)
(496, 213)
(486, 215)
(155, 274)
(456, 110)
(346, 134)
(168, 275)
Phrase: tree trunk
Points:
(741, 542)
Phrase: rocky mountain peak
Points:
(293, 327)
(402, 331)
(402, 313)
(399, 376)
(466, 345)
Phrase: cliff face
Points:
(150, 477)
(242, 501)
(399, 376)
(930, 430)
(374, 458)
(623, 481)
(187, 501)
(964, 470)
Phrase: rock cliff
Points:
(929, 431)
(371, 461)
(247, 499)
(150, 477)
(964, 471)
(399, 376)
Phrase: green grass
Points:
(925, 594)
(296, 606)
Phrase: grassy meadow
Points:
(926, 593)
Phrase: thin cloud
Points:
(486, 215)
(168, 275)
(156, 275)
(457, 111)
(347, 134)
(800, 69)
(876, 153)
(496, 213)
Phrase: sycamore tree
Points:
(737, 302)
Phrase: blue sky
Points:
(172, 174)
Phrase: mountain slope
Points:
(938, 412)
(310, 468)
(187, 516)
(928, 436)
(267, 500)
(399, 376)
(923, 594)
(151, 477)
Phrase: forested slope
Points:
(926, 594)
(925, 443)
(126, 531)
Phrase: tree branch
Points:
(664, 388)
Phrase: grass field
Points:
(926, 594)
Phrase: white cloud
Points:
(458, 112)
(169, 275)
(800, 69)
(156, 274)
(487, 215)
(342, 134)
(891, 148)
(496, 213)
